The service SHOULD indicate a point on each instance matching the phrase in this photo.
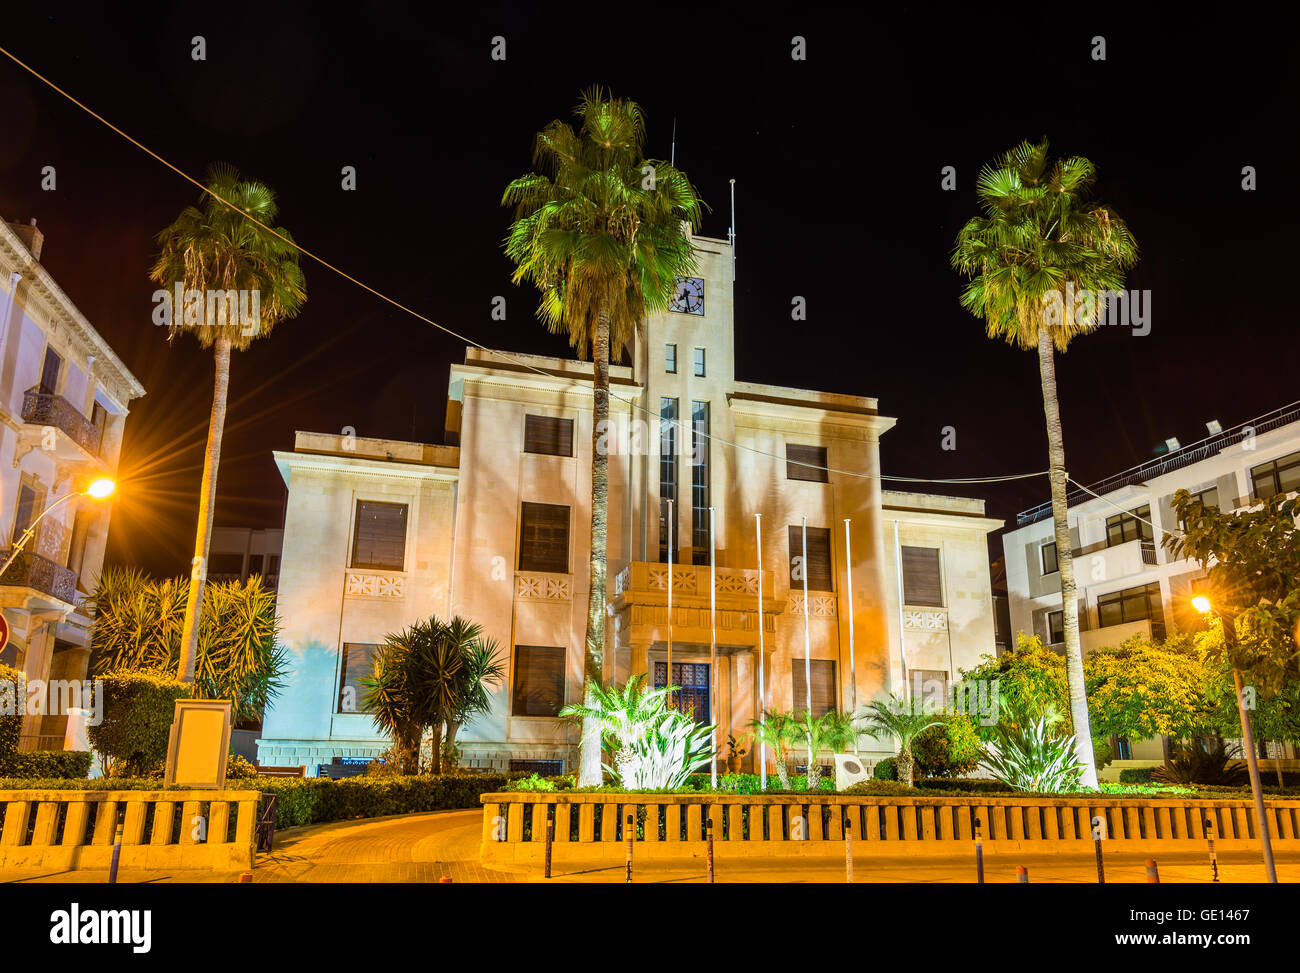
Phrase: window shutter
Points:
(921, 577)
(796, 456)
(544, 538)
(818, 567)
(823, 686)
(548, 435)
(538, 681)
(380, 539)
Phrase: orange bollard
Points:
(1153, 873)
(1022, 875)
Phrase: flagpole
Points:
(807, 647)
(853, 671)
(713, 647)
(762, 703)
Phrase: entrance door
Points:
(693, 696)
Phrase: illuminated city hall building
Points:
(494, 526)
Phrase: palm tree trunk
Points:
(1065, 562)
(589, 752)
(207, 506)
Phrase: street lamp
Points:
(99, 489)
(1227, 621)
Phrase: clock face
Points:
(689, 298)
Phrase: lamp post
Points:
(99, 489)
(1227, 621)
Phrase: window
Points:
(699, 362)
(667, 475)
(823, 686)
(31, 499)
(670, 358)
(819, 559)
(1049, 558)
(814, 456)
(380, 539)
(921, 581)
(1280, 476)
(700, 482)
(356, 662)
(1122, 528)
(538, 681)
(1056, 627)
(50, 369)
(548, 435)
(1133, 605)
(544, 538)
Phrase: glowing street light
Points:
(99, 489)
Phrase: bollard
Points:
(245, 878)
(629, 832)
(117, 854)
(1153, 873)
(708, 851)
(1022, 875)
(848, 851)
(1214, 860)
(979, 854)
(550, 838)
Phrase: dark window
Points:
(921, 584)
(699, 362)
(670, 358)
(356, 662)
(692, 695)
(814, 456)
(1122, 528)
(548, 435)
(544, 538)
(1049, 558)
(50, 368)
(538, 681)
(700, 482)
(1133, 605)
(1280, 476)
(668, 432)
(1056, 627)
(380, 540)
(819, 559)
(823, 686)
(28, 509)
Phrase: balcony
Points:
(80, 439)
(39, 573)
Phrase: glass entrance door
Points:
(693, 696)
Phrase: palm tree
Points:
(215, 247)
(899, 719)
(1041, 262)
(604, 234)
(777, 729)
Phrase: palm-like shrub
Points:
(1195, 763)
(903, 720)
(1030, 755)
(777, 729)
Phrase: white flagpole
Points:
(853, 671)
(713, 647)
(762, 703)
(807, 645)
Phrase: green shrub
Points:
(13, 703)
(138, 710)
(886, 769)
(948, 749)
(47, 764)
(1136, 775)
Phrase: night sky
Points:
(837, 162)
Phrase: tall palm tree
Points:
(215, 247)
(604, 234)
(900, 719)
(1041, 261)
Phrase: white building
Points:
(495, 527)
(64, 397)
(1127, 581)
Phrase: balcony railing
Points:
(46, 409)
(31, 570)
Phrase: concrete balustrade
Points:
(591, 826)
(160, 829)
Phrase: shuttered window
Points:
(380, 538)
(548, 435)
(921, 584)
(819, 559)
(538, 681)
(356, 662)
(823, 686)
(544, 538)
(802, 462)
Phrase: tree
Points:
(900, 719)
(604, 234)
(213, 251)
(138, 625)
(1042, 261)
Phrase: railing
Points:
(160, 829)
(46, 409)
(593, 826)
(31, 570)
(1185, 456)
